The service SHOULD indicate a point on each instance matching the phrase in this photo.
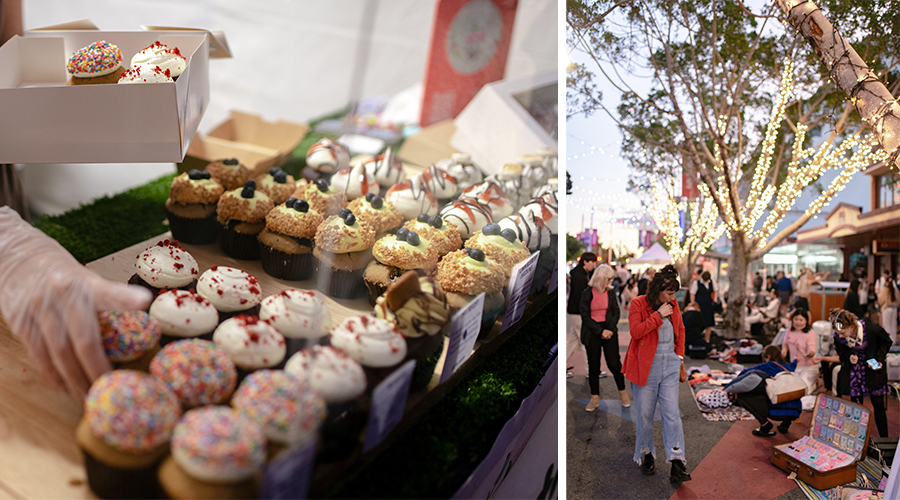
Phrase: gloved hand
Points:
(51, 301)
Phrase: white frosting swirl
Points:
(540, 208)
(491, 194)
(355, 181)
(297, 314)
(386, 169)
(439, 182)
(370, 341)
(552, 186)
(145, 74)
(468, 215)
(251, 343)
(411, 198)
(184, 314)
(530, 229)
(167, 265)
(229, 289)
(460, 166)
(328, 156)
(162, 56)
(329, 371)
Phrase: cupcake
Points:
(288, 411)
(128, 420)
(241, 215)
(164, 266)
(373, 343)
(191, 207)
(251, 343)
(286, 244)
(341, 381)
(355, 182)
(300, 315)
(441, 236)
(325, 158)
(99, 62)
(230, 173)
(550, 157)
(161, 56)
(491, 194)
(216, 453)
(343, 249)
(467, 216)
(460, 166)
(394, 255)
(386, 169)
(533, 170)
(199, 372)
(463, 274)
(183, 314)
(440, 184)
(516, 186)
(551, 186)
(545, 209)
(145, 74)
(130, 338)
(411, 197)
(277, 184)
(417, 307)
(322, 197)
(501, 246)
(377, 213)
(232, 291)
(529, 228)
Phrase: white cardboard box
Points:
(44, 121)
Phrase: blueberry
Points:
(194, 174)
(402, 233)
(230, 162)
(273, 170)
(290, 202)
(413, 239)
(250, 184)
(423, 218)
(344, 212)
(280, 176)
(510, 235)
(436, 222)
(475, 254)
(491, 229)
(247, 192)
(301, 206)
(377, 202)
(369, 197)
(350, 219)
(322, 184)
(205, 174)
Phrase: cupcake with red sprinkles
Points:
(159, 55)
(252, 344)
(216, 453)
(164, 266)
(99, 62)
(198, 371)
(130, 338)
(232, 291)
(183, 314)
(129, 417)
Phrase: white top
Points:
(250, 345)
(297, 314)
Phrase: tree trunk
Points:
(737, 286)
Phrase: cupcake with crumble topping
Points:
(277, 184)
(300, 315)
(229, 172)
(164, 266)
(441, 236)
(464, 274)
(231, 291)
(286, 244)
(355, 182)
(130, 338)
(183, 314)
(198, 371)
(394, 255)
(343, 249)
(500, 245)
(191, 207)
(241, 215)
(322, 197)
(377, 212)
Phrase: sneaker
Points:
(764, 430)
(648, 468)
(603, 374)
(626, 402)
(593, 403)
(679, 473)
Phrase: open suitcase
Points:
(838, 438)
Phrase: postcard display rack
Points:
(826, 457)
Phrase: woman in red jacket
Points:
(654, 365)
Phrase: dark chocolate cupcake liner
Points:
(238, 245)
(109, 481)
(338, 283)
(287, 266)
(137, 280)
(193, 231)
(340, 432)
(165, 340)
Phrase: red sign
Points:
(881, 247)
(469, 45)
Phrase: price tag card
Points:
(554, 279)
(288, 475)
(388, 403)
(463, 333)
(519, 284)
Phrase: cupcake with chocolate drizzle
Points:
(377, 212)
(460, 166)
(322, 197)
(467, 215)
(230, 173)
(343, 249)
(515, 185)
(277, 184)
(491, 194)
(394, 255)
(386, 169)
(440, 183)
(355, 181)
(286, 244)
(324, 158)
(191, 207)
(241, 217)
(412, 197)
(441, 236)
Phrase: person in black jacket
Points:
(600, 334)
(578, 281)
(694, 325)
(851, 300)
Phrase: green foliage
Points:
(574, 247)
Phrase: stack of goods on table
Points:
(219, 376)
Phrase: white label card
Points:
(288, 476)
(519, 286)
(388, 403)
(463, 332)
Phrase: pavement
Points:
(725, 460)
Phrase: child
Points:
(802, 346)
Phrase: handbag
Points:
(785, 386)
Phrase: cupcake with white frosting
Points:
(232, 291)
(412, 197)
(490, 193)
(161, 56)
(164, 266)
(183, 314)
(355, 182)
(460, 166)
(533, 169)
(387, 170)
(516, 186)
(325, 158)
(252, 344)
(551, 186)
(529, 228)
(300, 315)
(373, 343)
(468, 215)
(440, 183)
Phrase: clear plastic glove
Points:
(51, 301)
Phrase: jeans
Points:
(662, 387)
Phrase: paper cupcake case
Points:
(193, 231)
(286, 266)
(238, 245)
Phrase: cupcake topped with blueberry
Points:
(165, 265)
(469, 272)
(467, 215)
(343, 249)
(241, 215)
(405, 250)
(530, 229)
(328, 156)
(500, 245)
(197, 370)
(277, 184)
(441, 236)
(412, 197)
(229, 172)
(286, 244)
(377, 212)
(195, 187)
(322, 197)
(344, 233)
(355, 181)
(386, 169)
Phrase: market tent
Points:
(656, 255)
